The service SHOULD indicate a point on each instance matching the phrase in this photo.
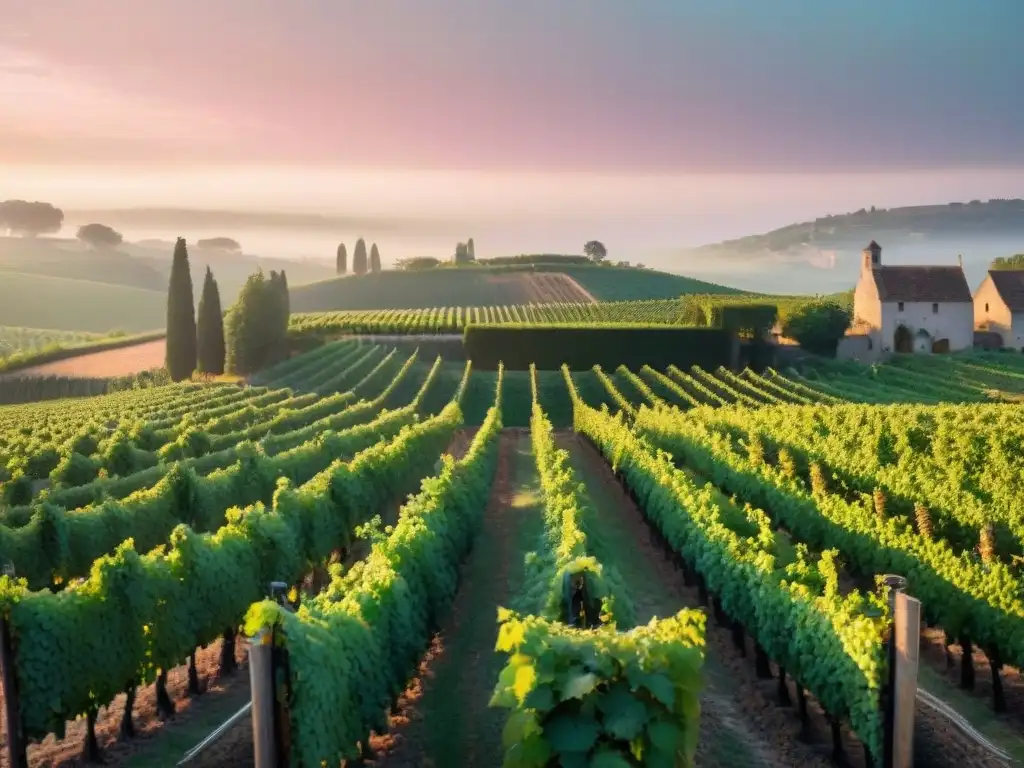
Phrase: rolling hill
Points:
(56, 257)
(608, 283)
(823, 255)
(145, 266)
(893, 227)
(60, 303)
(60, 284)
(493, 286)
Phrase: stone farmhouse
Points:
(908, 309)
(999, 306)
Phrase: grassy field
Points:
(18, 339)
(628, 284)
(489, 286)
(134, 266)
(68, 259)
(40, 301)
(59, 284)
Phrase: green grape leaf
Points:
(607, 758)
(579, 685)
(624, 716)
(568, 733)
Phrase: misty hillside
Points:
(492, 286)
(911, 224)
(69, 304)
(143, 265)
(59, 283)
(823, 255)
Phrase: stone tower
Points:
(872, 257)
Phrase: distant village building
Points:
(999, 306)
(908, 309)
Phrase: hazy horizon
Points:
(653, 127)
(682, 210)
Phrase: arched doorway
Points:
(903, 339)
(922, 342)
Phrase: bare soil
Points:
(542, 288)
(554, 286)
(461, 442)
(933, 651)
(111, 362)
(942, 666)
(154, 737)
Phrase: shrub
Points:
(818, 326)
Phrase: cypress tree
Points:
(286, 300)
(244, 331)
(359, 257)
(210, 329)
(181, 319)
(269, 310)
(277, 311)
(374, 258)
(342, 260)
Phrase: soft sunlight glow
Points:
(40, 98)
(750, 201)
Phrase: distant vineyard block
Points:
(548, 347)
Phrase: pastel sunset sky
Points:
(667, 85)
(534, 125)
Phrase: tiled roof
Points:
(1009, 284)
(923, 284)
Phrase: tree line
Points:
(1014, 262)
(465, 253)
(251, 335)
(22, 217)
(361, 263)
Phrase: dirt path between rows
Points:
(443, 720)
(737, 727)
(557, 287)
(541, 288)
(157, 743)
(732, 672)
(98, 365)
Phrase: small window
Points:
(899, 306)
(986, 306)
(935, 309)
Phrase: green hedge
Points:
(609, 346)
(746, 318)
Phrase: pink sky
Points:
(723, 85)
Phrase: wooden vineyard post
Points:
(907, 642)
(17, 755)
(900, 696)
(281, 673)
(261, 677)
